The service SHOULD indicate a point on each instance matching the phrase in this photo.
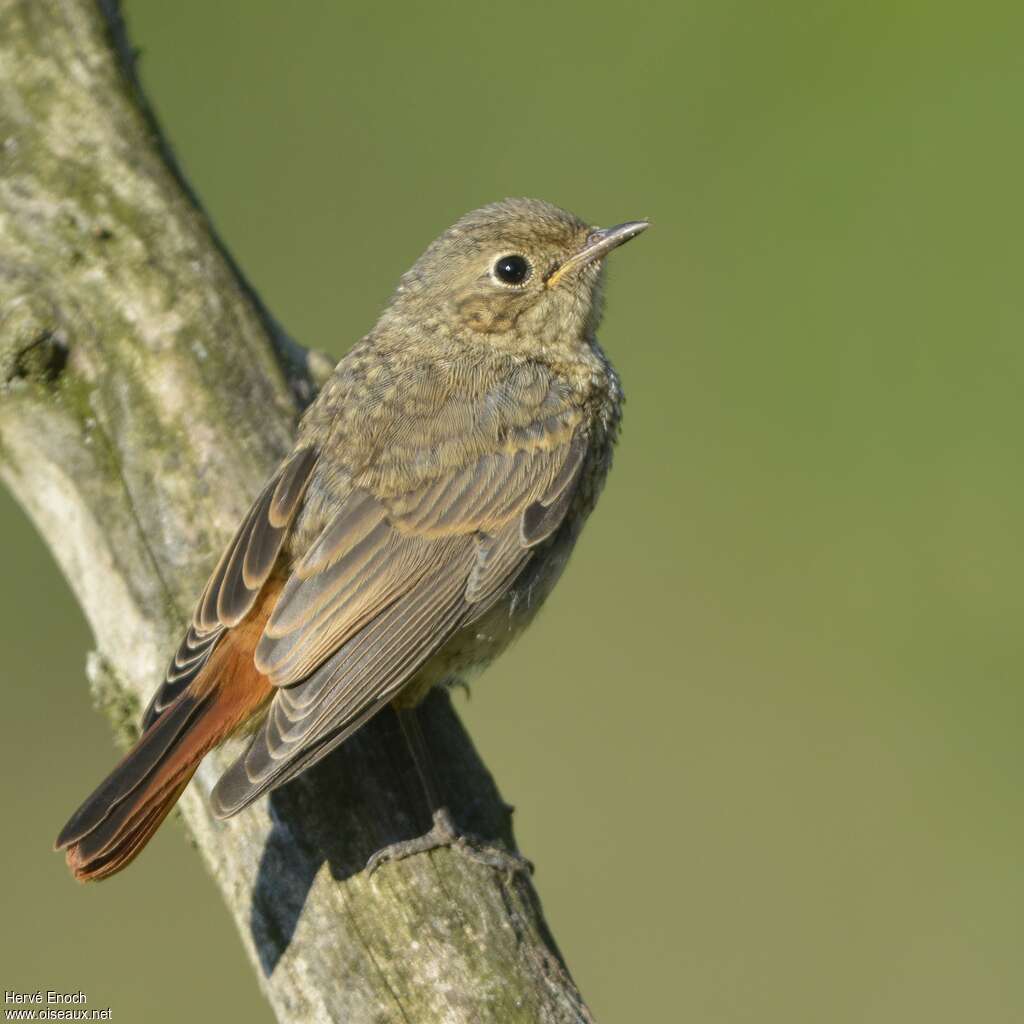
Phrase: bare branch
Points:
(145, 393)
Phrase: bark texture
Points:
(145, 395)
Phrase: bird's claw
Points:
(444, 833)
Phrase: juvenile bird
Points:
(437, 486)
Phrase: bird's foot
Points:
(445, 833)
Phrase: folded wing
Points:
(398, 571)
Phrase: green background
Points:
(765, 742)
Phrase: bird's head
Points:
(514, 270)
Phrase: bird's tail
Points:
(113, 825)
(110, 829)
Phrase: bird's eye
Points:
(512, 269)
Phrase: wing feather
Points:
(240, 574)
(350, 686)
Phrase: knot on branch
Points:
(33, 344)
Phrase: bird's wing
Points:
(233, 587)
(402, 566)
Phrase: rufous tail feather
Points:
(116, 821)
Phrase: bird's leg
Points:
(444, 831)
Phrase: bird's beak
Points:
(599, 243)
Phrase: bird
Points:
(436, 488)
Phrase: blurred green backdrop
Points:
(783, 781)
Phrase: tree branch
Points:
(145, 394)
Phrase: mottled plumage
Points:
(437, 486)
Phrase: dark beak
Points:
(599, 243)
